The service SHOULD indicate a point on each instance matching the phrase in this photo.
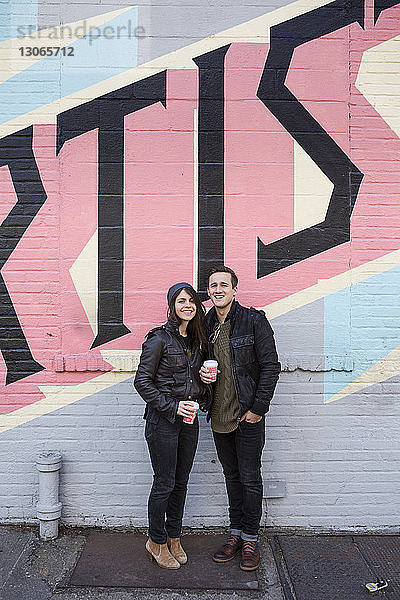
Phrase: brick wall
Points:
(109, 158)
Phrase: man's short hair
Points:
(224, 269)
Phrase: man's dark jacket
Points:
(166, 374)
(254, 360)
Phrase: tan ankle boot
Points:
(177, 551)
(161, 554)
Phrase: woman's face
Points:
(185, 306)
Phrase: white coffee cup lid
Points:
(211, 363)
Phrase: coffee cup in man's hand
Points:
(210, 370)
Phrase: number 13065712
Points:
(46, 51)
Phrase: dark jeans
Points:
(172, 447)
(239, 453)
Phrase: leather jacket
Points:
(254, 359)
(166, 374)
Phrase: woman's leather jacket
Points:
(167, 374)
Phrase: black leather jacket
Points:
(254, 360)
(166, 375)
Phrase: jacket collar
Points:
(172, 326)
(229, 317)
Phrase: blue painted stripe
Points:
(364, 322)
(96, 57)
(15, 14)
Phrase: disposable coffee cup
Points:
(192, 418)
(211, 367)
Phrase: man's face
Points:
(220, 289)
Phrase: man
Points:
(242, 341)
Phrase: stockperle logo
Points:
(237, 148)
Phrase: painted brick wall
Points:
(169, 137)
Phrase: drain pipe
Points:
(48, 507)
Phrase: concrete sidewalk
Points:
(31, 569)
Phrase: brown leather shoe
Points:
(229, 549)
(250, 556)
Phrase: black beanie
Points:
(176, 288)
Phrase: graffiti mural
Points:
(249, 146)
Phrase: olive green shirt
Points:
(225, 411)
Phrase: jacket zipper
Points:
(234, 374)
(189, 365)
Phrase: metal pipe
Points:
(48, 507)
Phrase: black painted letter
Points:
(107, 114)
(211, 162)
(16, 152)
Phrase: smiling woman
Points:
(168, 381)
(185, 307)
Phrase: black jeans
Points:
(240, 453)
(172, 447)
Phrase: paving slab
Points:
(12, 545)
(332, 567)
(119, 560)
(382, 554)
(16, 581)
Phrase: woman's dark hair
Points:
(196, 328)
(224, 269)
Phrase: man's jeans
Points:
(240, 453)
(172, 447)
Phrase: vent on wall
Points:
(274, 488)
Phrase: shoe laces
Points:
(232, 540)
(249, 547)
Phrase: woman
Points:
(168, 381)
